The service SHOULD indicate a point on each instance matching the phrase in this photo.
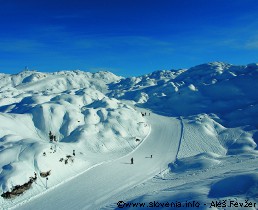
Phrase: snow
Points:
(158, 143)
(197, 141)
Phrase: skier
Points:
(131, 160)
(151, 156)
(46, 181)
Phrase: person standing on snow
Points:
(131, 160)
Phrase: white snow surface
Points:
(197, 142)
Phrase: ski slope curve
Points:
(94, 188)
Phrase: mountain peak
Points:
(216, 65)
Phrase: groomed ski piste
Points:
(196, 146)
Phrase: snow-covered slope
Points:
(226, 90)
(208, 130)
(212, 97)
(71, 107)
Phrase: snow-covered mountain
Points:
(223, 89)
(224, 95)
(72, 106)
(78, 124)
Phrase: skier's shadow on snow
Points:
(126, 163)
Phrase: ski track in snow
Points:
(98, 181)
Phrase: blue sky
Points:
(126, 37)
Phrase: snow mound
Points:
(86, 125)
(34, 77)
(235, 185)
(201, 161)
(227, 90)
(201, 134)
(36, 82)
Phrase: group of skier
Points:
(144, 114)
(52, 137)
